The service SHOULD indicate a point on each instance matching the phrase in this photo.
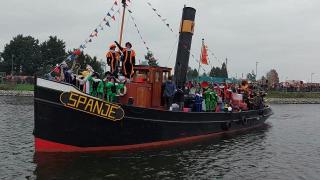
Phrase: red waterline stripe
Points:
(42, 145)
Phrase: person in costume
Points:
(214, 100)
(84, 79)
(128, 59)
(111, 90)
(198, 102)
(113, 59)
(121, 87)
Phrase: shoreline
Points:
(293, 100)
(268, 100)
(16, 93)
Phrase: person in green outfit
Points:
(111, 90)
(214, 100)
(94, 84)
(100, 89)
(207, 98)
(210, 98)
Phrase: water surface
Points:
(288, 148)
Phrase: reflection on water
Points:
(289, 148)
(207, 159)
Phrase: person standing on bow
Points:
(113, 59)
(128, 59)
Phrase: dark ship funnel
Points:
(185, 39)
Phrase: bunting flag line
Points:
(164, 20)
(105, 22)
(138, 30)
(214, 56)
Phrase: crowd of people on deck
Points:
(109, 86)
(192, 97)
(213, 97)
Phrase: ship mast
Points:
(122, 22)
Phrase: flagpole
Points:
(122, 22)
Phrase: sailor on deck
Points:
(113, 59)
(128, 59)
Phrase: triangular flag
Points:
(118, 11)
(96, 30)
(115, 3)
(109, 14)
(159, 15)
(104, 19)
(112, 9)
(90, 40)
(107, 23)
(113, 17)
(149, 3)
(168, 25)
(129, 11)
(164, 19)
(154, 9)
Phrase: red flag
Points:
(116, 3)
(56, 70)
(77, 52)
(113, 17)
(204, 55)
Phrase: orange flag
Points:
(204, 55)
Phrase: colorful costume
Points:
(211, 99)
(110, 91)
(113, 59)
(128, 60)
(198, 103)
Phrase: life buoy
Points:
(244, 120)
(226, 126)
(124, 92)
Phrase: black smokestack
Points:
(185, 39)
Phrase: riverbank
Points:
(293, 100)
(16, 93)
(271, 100)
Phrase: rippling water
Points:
(288, 148)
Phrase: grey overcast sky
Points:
(280, 34)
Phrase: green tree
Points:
(152, 61)
(53, 51)
(23, 52)
(85, 59)
(224, 71)
(192, 74)
(273, 78)
(251, 76)
(219, 72)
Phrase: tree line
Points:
(219, 72)
(25, 55)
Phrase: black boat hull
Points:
(62, 129)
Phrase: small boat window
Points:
(141, 76)
(157, 76)
(165, 76)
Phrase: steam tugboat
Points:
(68, 120)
